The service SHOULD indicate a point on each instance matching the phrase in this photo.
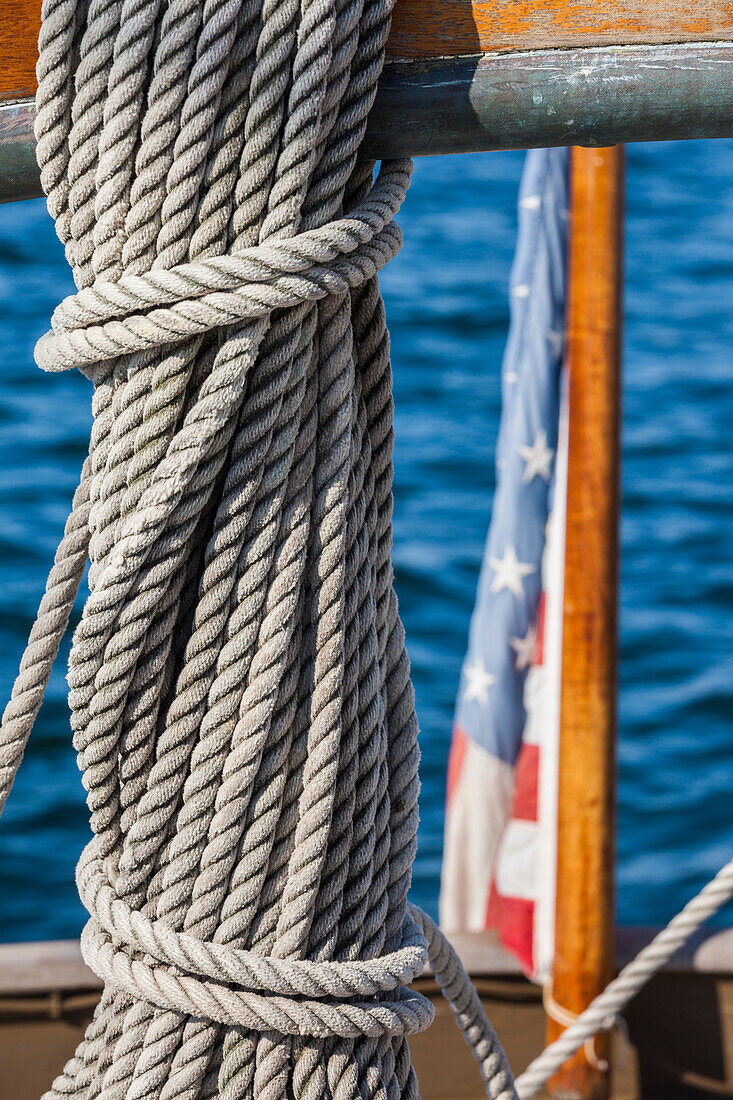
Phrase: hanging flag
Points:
(501, 813)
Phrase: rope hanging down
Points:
(239, 686)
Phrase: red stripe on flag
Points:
(459, 745)
(513, 918)
(526, 783)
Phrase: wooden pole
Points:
(586, 851)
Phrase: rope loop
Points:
(162, 307)
(173, 970)
(563, 1016)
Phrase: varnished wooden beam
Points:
(468, 75)
(584, 924)
(429, 29)
(447, 28)
(20, 21)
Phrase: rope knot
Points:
(173, 970)
(163, 307)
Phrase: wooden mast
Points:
(586, 850)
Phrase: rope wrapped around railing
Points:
(139, 312)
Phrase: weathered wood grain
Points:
(20, 21)
(584, 923)
(423, 29)
(442, 28)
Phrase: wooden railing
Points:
(430, 29)
(488, 74)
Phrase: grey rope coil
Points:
(239, 685)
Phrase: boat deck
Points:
(679, 1042)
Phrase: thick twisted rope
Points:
(45, 637)
(218, 292)
(239, 686)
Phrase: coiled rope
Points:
(239, 686)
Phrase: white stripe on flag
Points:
(516, 860)
(479, 804)
(554, 584)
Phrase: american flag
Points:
(501, 813)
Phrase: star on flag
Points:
(510, 573)
(537, 458)
(478, 682)
(524, 649)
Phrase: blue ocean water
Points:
(447, 308)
